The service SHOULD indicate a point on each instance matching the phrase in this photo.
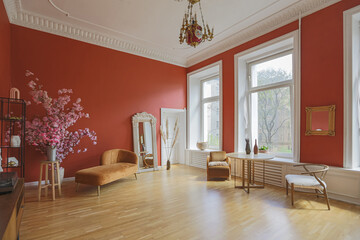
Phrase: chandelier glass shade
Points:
(191, 30)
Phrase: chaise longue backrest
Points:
(118, 155)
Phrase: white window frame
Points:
(208, 100)
(242, 121)
(287, 83)
(194, 103)
(351, 23)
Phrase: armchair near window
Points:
(218, 166)
(313, 181)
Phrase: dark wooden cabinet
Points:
(11, 210)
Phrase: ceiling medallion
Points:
(192, 32)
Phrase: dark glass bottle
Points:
(247, 149)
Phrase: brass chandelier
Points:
(191, 31)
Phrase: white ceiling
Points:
(151, 25)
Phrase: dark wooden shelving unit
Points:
(12, 122)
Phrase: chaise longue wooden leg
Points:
(98, 191)
(135, 176)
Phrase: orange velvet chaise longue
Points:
(114, 164)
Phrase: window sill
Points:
(198, 150)
(290, 161)
(283, 160)
(355, 170)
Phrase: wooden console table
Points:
(249, 175)
(11, 210)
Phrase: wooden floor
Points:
(181, 204)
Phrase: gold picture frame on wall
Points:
(320, 120)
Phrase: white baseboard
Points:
(343, 198)
(36, 183)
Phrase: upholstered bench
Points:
(115, 164)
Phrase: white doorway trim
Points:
(182, 124)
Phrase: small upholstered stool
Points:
(47, 184)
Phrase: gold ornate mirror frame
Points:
(331, 129)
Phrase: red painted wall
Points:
(322, 79)
(5, 36)
(113, 86)
(321, 83)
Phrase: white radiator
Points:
(197, 158)
(274, 172)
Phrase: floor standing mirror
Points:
(144, 136)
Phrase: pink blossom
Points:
(32, 84)
(52, 129)
(28, 73)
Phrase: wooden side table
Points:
(47, 184)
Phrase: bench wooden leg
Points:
(39, 186)
(326, 198)
(47, 181)
(53, 180)
(317, 193)
(58, 177)
(292, 194)
(135, 176)
(287, 187)
(98, 191)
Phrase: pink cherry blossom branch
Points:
(52, 129)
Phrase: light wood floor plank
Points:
(181, 204)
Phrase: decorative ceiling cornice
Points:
(275, 21)
(27, 19)
(20, 17)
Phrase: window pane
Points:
(271, 119)
(211, 124)
(272, 71)
(211, 88)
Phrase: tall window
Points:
(270, 96)
(204, 106)
(352, 88)
(210, 111)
